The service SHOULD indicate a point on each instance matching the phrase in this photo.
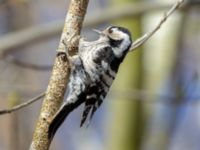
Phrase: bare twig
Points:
(146, 36)
(20, 106)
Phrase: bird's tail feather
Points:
(91, 106)
(59, 119)
(63, 112)
(86, 112)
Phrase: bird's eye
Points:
(110, 31)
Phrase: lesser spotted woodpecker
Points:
(93, 70)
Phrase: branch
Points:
(60, 74)
(146, 36)
(20, 106)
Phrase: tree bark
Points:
(60, 73)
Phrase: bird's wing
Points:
(97, 92)
(77, 86)
(93, 101)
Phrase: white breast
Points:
(88, 51)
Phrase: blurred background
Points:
(154, 101)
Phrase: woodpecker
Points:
(93, 70)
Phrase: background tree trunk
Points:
(125, 126)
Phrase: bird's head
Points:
(119, 38)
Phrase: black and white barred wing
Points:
(93, 101)
(77, 86)
(105, 75)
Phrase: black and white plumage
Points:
(93, 70)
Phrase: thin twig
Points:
(22, 105)
(146, 36)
